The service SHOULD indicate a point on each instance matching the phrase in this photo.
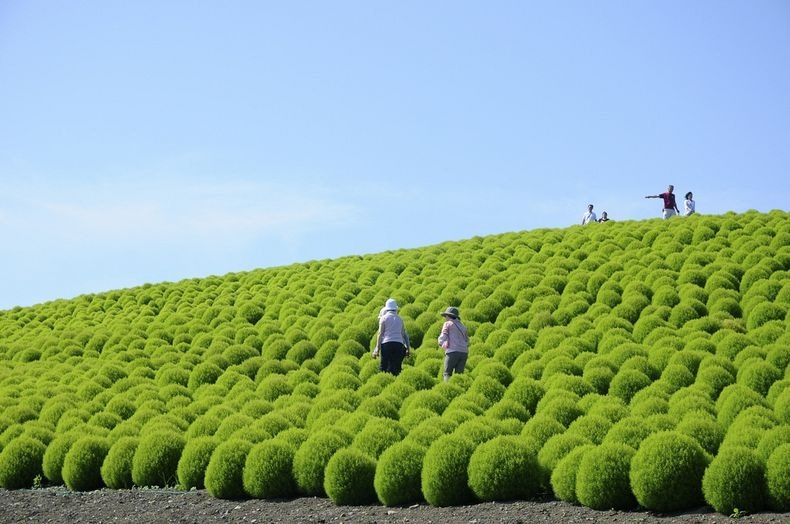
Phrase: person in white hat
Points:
(454, 339)
(392, 343)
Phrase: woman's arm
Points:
(444, 337)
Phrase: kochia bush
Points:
(224, 474)
(735, 479)
(52, 463)
(602, 479)
(20, 462)
(666, 472)
(444, 472)
(116, 470)
(156, 459)
(82, 465)
(563, 478)
(348, 477)
(397, 478)
(311, 459)
(191, 469)
(778, 479)
(505, 468)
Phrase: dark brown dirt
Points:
(168, 506)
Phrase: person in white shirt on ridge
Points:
(589, 216)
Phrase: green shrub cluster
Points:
(662, 341)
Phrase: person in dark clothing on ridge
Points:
(670, 206)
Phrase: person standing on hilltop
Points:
(688, 204)
(589, 216)
(454, 339)
(392, 343)
(670, 206)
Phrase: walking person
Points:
(454, 339)
(392, 344)
(670, 206)
(689, 207)
(604, 217)
(589, 216)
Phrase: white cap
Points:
(391, 305)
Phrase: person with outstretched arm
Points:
(670, 206)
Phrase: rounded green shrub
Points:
(429, 430)
(563, 407)
(225, 471)
(195, 457)
(777, 477)
(602, 480)
(312, 457)
(592, 427)
(348, 477)
(82, 464)
(555, 449)
(706, 431)
(758, 376)
(763, 313)
(541, 428)
(782, 406)
(666, 472)
(714, 379)
(507, 408)
(116, 470)
(377, 435)
(204, 373)
(525, 391)
(734, 399)
(504, 468)
(397, 478)
(735, 479)
(444, 476)
(268, 470)
(563, 478)
(772, 439)
(156, 459)
(52, 463)
(20, 462)
(626, 384)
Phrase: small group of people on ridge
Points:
(590, 216)
(392, 343)
(670, 208)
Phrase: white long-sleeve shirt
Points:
(392, 329)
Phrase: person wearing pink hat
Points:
(454, 339)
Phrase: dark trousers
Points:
(392, 354)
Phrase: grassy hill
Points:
(615, 365)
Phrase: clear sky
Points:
(147, 141)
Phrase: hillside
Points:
(614, 365)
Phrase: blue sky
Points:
(154, 141)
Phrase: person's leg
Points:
(448, 370)
(384, 364)
(451, 363)
(396, 361)
(460, 362)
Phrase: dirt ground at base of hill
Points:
(56, 505)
